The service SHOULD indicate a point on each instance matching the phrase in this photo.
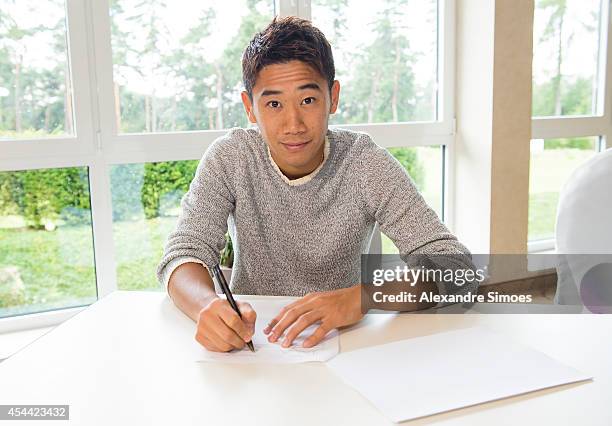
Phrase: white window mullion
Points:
(304, 9)
(446, 62)
(15, 152)
(540, 245)
(286, 7)
(404, 134)
(448, 210)
(99, 172)
(603, 70)
(446, 103)
(568, 127)
(102, 223)
(78, 46)
(605, 66)
(34, 163)
(151, 145)
(103, 66)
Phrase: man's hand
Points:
(220, 329)
(331, 308)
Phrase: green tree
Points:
(560, 96)
(121, 50)
(12, 40)
(51, 194)
(164, 178)
(383, 81)
(33, 101)
(554, 29)
(230, 64)
(409, 159)
(191, 69)
(148, 18)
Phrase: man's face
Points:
(291, 106)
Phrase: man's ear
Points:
(248, 106)
(335, 97)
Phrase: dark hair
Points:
(287, 39)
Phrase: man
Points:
(301, 202)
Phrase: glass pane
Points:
(35, 87)
(424, 165)
(565, 57)
(386, 58)
(146, 204)
(179, 68)
(46, 255)
(552, 163)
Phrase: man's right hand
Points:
(220, 329)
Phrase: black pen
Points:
(217, 275)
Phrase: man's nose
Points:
(294, 122)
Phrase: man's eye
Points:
(274, 104)
(308, 100)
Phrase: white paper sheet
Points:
(432, 374)
(266, 352)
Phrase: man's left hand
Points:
(332, 309)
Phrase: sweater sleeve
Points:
(202, 223)
(173, 264)
(392, 199)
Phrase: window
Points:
(385, 57)
(35, 86)
(146, 204)
(115, 102)
(566, 57)
(569, 85)
(425, 166)
(178, 68)
(552, 161)
(46, 260)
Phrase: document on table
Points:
(432, 374)
(266, 352)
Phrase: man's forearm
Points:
(191, 288)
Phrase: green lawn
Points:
(139, 247)
(542, 214)
(549, 170)
(57, 267)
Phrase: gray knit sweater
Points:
(296, 239)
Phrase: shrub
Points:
(409, 159)
(160, 179)
(46, 194)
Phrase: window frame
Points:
(97, 144)
(598, 124)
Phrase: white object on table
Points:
(266, 352)
(583, 231)
(445, 371)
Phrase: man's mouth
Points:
(295, 146)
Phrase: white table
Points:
(128, 359)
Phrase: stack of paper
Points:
(266, 352)
(432, 374)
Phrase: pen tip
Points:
(251, 347)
